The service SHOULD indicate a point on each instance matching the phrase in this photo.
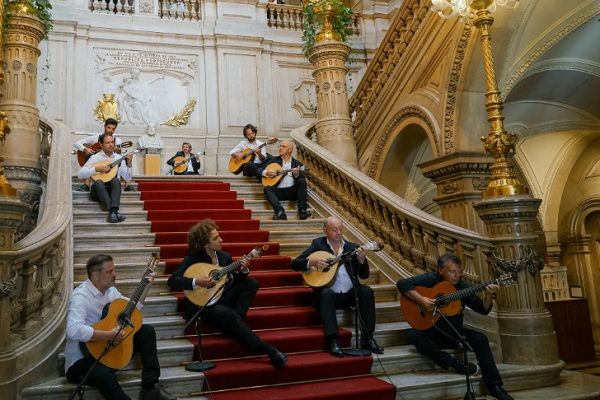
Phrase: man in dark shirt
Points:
(431, 342)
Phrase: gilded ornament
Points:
(106, 108)
(183, 116)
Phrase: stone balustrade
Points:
(37, 278)
(112, 6)
(188, 10)
(289, 16)
(412, 237)
(401, 31)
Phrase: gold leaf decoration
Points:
(4, 128)
(183, 116)
(106, 108)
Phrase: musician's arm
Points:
(195, 163)
(171, 160)
(86, 141)
(179, 282)
(125, 170)
(261, 170)
(77, 329)
(480, 304)
(88, 170)
(408, 288)
(238, 149)
(300, 263)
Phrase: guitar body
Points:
(200, 295)
(120, 355)
(274, 181)
(317, 279)
(236, 166)
(181, 164)
(421, 319)
(107, 176)
(81, 156)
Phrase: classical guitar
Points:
(96, 147)
(447, 299)
(123, 313)
(237, 165)
(201, 295)
(324, 277)
(278, 169)
(180, 163)
(114, 166)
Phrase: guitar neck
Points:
(460, 294)
(229, 269)
(117, 161)
(137, 294)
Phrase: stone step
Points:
(120, 255)
(287, 236)
(314, 223)
(93, 239)
(176, 380)
(88, 206)
(125, 270)
(106, 228)
(93, 218)
(85, 196)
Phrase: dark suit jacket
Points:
(320, 244)
(194, 161)
(279, 160)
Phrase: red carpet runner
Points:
(281, 313)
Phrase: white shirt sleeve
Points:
(86, 141)
(77, 330)
(239, 147)
(88, 168)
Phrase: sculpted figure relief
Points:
(135, 99)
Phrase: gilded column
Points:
(21, 151)
(328, 56)
(510, 216)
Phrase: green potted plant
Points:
(40, 8)
(325, 19)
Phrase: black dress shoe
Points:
(115, 217)
(334, 349)
(372, 346)
(499, 393)
(280, 215)
(304, 214)
(277, 357)
(460, 367)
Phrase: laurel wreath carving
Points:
(182, 117)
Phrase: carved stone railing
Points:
(289, 16)
(390, 51)
(187, 10)
(413, 238)
(112, 6)
(33, 299)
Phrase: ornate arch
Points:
(391, 131)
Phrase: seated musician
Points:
(185, 158)
(250, 142)
(291, 187)
(85, 309)
(107, 194)
(227, 312)
(340, 295)
(86, 145)
(431, 341)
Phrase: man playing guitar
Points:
(250, 142)
(107, 194)
(340, 294)
(185, 160)
(85, 309)
(228, 311)
(430, 342)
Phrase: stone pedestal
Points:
(526, 329)
(152, 164)
(460, 179)
(334, 127)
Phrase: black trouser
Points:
(187, 173)
(296, 192)
(104, 378)
(228, 313)
(431, 342)
(329, 301)
(107, 194)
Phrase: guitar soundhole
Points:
(215, 275)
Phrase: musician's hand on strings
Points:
(129, 158)
(318, 265)
(102, 168)
(88, 150)
(296, 172)
(238, 156)
(361, 255)
(270, 174)
(205, 282)
(490, 291)
(150, 277)
(116, 336)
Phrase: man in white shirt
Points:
(291, 187)
(85, 309)
(340, 295)
(107, 194)
(250, 142)
(86, 145)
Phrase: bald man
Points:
(291, 187)
(340, 295)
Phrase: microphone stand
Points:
(80, 390)
(356, 351)
(462, 341)
(200, 366)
